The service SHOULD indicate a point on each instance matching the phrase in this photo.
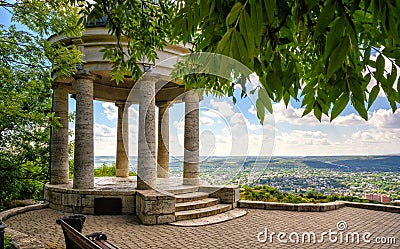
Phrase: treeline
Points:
(271, 194)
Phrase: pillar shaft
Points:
(147, 165)
(59, 170)
(163, 141)
(84, 149)
(191, 165)
(122, 164)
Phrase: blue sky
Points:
(228, 129)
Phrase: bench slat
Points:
(77, 240)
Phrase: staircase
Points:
(192, 204)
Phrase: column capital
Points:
(150, 77)
(84, 74)
(58, 84)
(192, 95)
(120, 103)
(163, 103)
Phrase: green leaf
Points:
(334, 36)
(380, 67)
(257, 21)
(324, 18)
(317, 111)
(308, 109)
(270, 7)
(392, 52)
(339, 106)
(260, 110)
(266, 101)
(308, 99)
(240, 47)
(360, 108)
(233, 15)
(337, 57)
(372, 95)
(246, 31)
(223, 43)
(311, 4)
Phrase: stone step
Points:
(196, 204)
(202, 212)
(181, 189)
(218, 218)
(195, 196)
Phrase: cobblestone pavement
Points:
(126, 232)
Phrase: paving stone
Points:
(127, 232)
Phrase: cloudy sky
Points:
(228, 129)
(233, 129)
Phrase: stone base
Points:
(153, 207)
(191, 181)
(82, 201)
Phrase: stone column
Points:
(84, 150)
(147, 165)
(191, 165)
(163, 141)
(122, 164)
(59, 169)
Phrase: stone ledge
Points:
(301, 207)
(376, 207)
(319, 207)
(228, 194)
(20, 210)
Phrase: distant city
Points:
(371, 177)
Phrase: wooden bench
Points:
(74, 239)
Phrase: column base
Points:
(144, 185)
(191, 181)
(122, 173)
(162, 173)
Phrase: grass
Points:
(103, 170)
(106, 170)
(7, 243)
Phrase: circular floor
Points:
(126, 232)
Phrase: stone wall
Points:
(153, 207)
(81, 201)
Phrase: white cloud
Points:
(179, 125)
(104, 132)
(110, 110)
(385, 119)
(304, 138)
(291, 115)
(370, 137)
(105, 140)
(349, 120)
(223, 108)
(206, 121)
(252, 110)
(210, 113)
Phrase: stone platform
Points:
(120, 196)
(126, 231)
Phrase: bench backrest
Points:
(75, 239)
